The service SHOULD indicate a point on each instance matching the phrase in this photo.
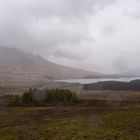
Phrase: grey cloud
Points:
(70, 53)
(121, 64)
(52, 8)
(133, 9)
(108, 30)
(96, 32)
(135, 15)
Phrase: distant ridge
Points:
(133, 72)
(19, 66)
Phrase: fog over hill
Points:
(16, 65)
(133, 72)
(99, 35)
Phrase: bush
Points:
(61, 95)
(41, 97)
(27, 97)
(14, 100)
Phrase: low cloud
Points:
(89, 34)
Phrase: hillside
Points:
(133, 72)
(18, 66)
(114, 85)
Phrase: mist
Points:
(97, 35)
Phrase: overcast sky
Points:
(99, 35)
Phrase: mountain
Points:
(133, 72)
(19, 66)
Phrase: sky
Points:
(97, 35)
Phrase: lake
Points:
(88, 81)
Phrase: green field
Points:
(81, 122)
(100, 115)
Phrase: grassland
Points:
(100, 115)
(92, 121)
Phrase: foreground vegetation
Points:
(43, 97)
(69, 123)
(51, 115)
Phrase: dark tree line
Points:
(113, 85)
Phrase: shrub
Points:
(41, 97)
(27, 96)
(61, 95)
(14, 100)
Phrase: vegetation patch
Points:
(43, 97)
(113, 85)
(69, 123)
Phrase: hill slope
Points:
(133, 72)
(17, 66)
